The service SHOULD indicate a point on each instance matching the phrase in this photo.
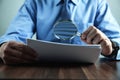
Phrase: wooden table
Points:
(103, 69)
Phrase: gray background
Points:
(9, 8)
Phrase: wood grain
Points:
(103, 69)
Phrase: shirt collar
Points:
(75, 1)
(61, 1)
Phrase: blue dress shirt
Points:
(39, 16)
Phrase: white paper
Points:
(71, 52)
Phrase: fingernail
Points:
(83, 37)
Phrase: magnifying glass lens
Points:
(65, 30)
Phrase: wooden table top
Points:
(102, 69)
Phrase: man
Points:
(39, 16)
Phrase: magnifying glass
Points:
(65, 30)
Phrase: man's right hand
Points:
(16, 53)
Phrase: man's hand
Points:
(94, 36)
(15, 53)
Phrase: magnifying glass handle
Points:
(78, 34)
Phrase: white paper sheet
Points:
(71, 52)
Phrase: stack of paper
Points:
(65, 52)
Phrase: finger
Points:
(15, 51)
(29, 51)
(18, 54)
(12, 52)
(91, 35)
(24, 49)
(84, 34)
(2, 49)
(97, 39)
(28, 58)
(106, 47)
(13, 60)
(104, 43)
(16, 45)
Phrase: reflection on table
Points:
(102, 69)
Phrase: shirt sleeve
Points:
(23, 25)
(107, 24)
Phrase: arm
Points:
(23, 25)
(106, 31)
(13, 50)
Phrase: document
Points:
(53, 51)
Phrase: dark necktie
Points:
(68, 9)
